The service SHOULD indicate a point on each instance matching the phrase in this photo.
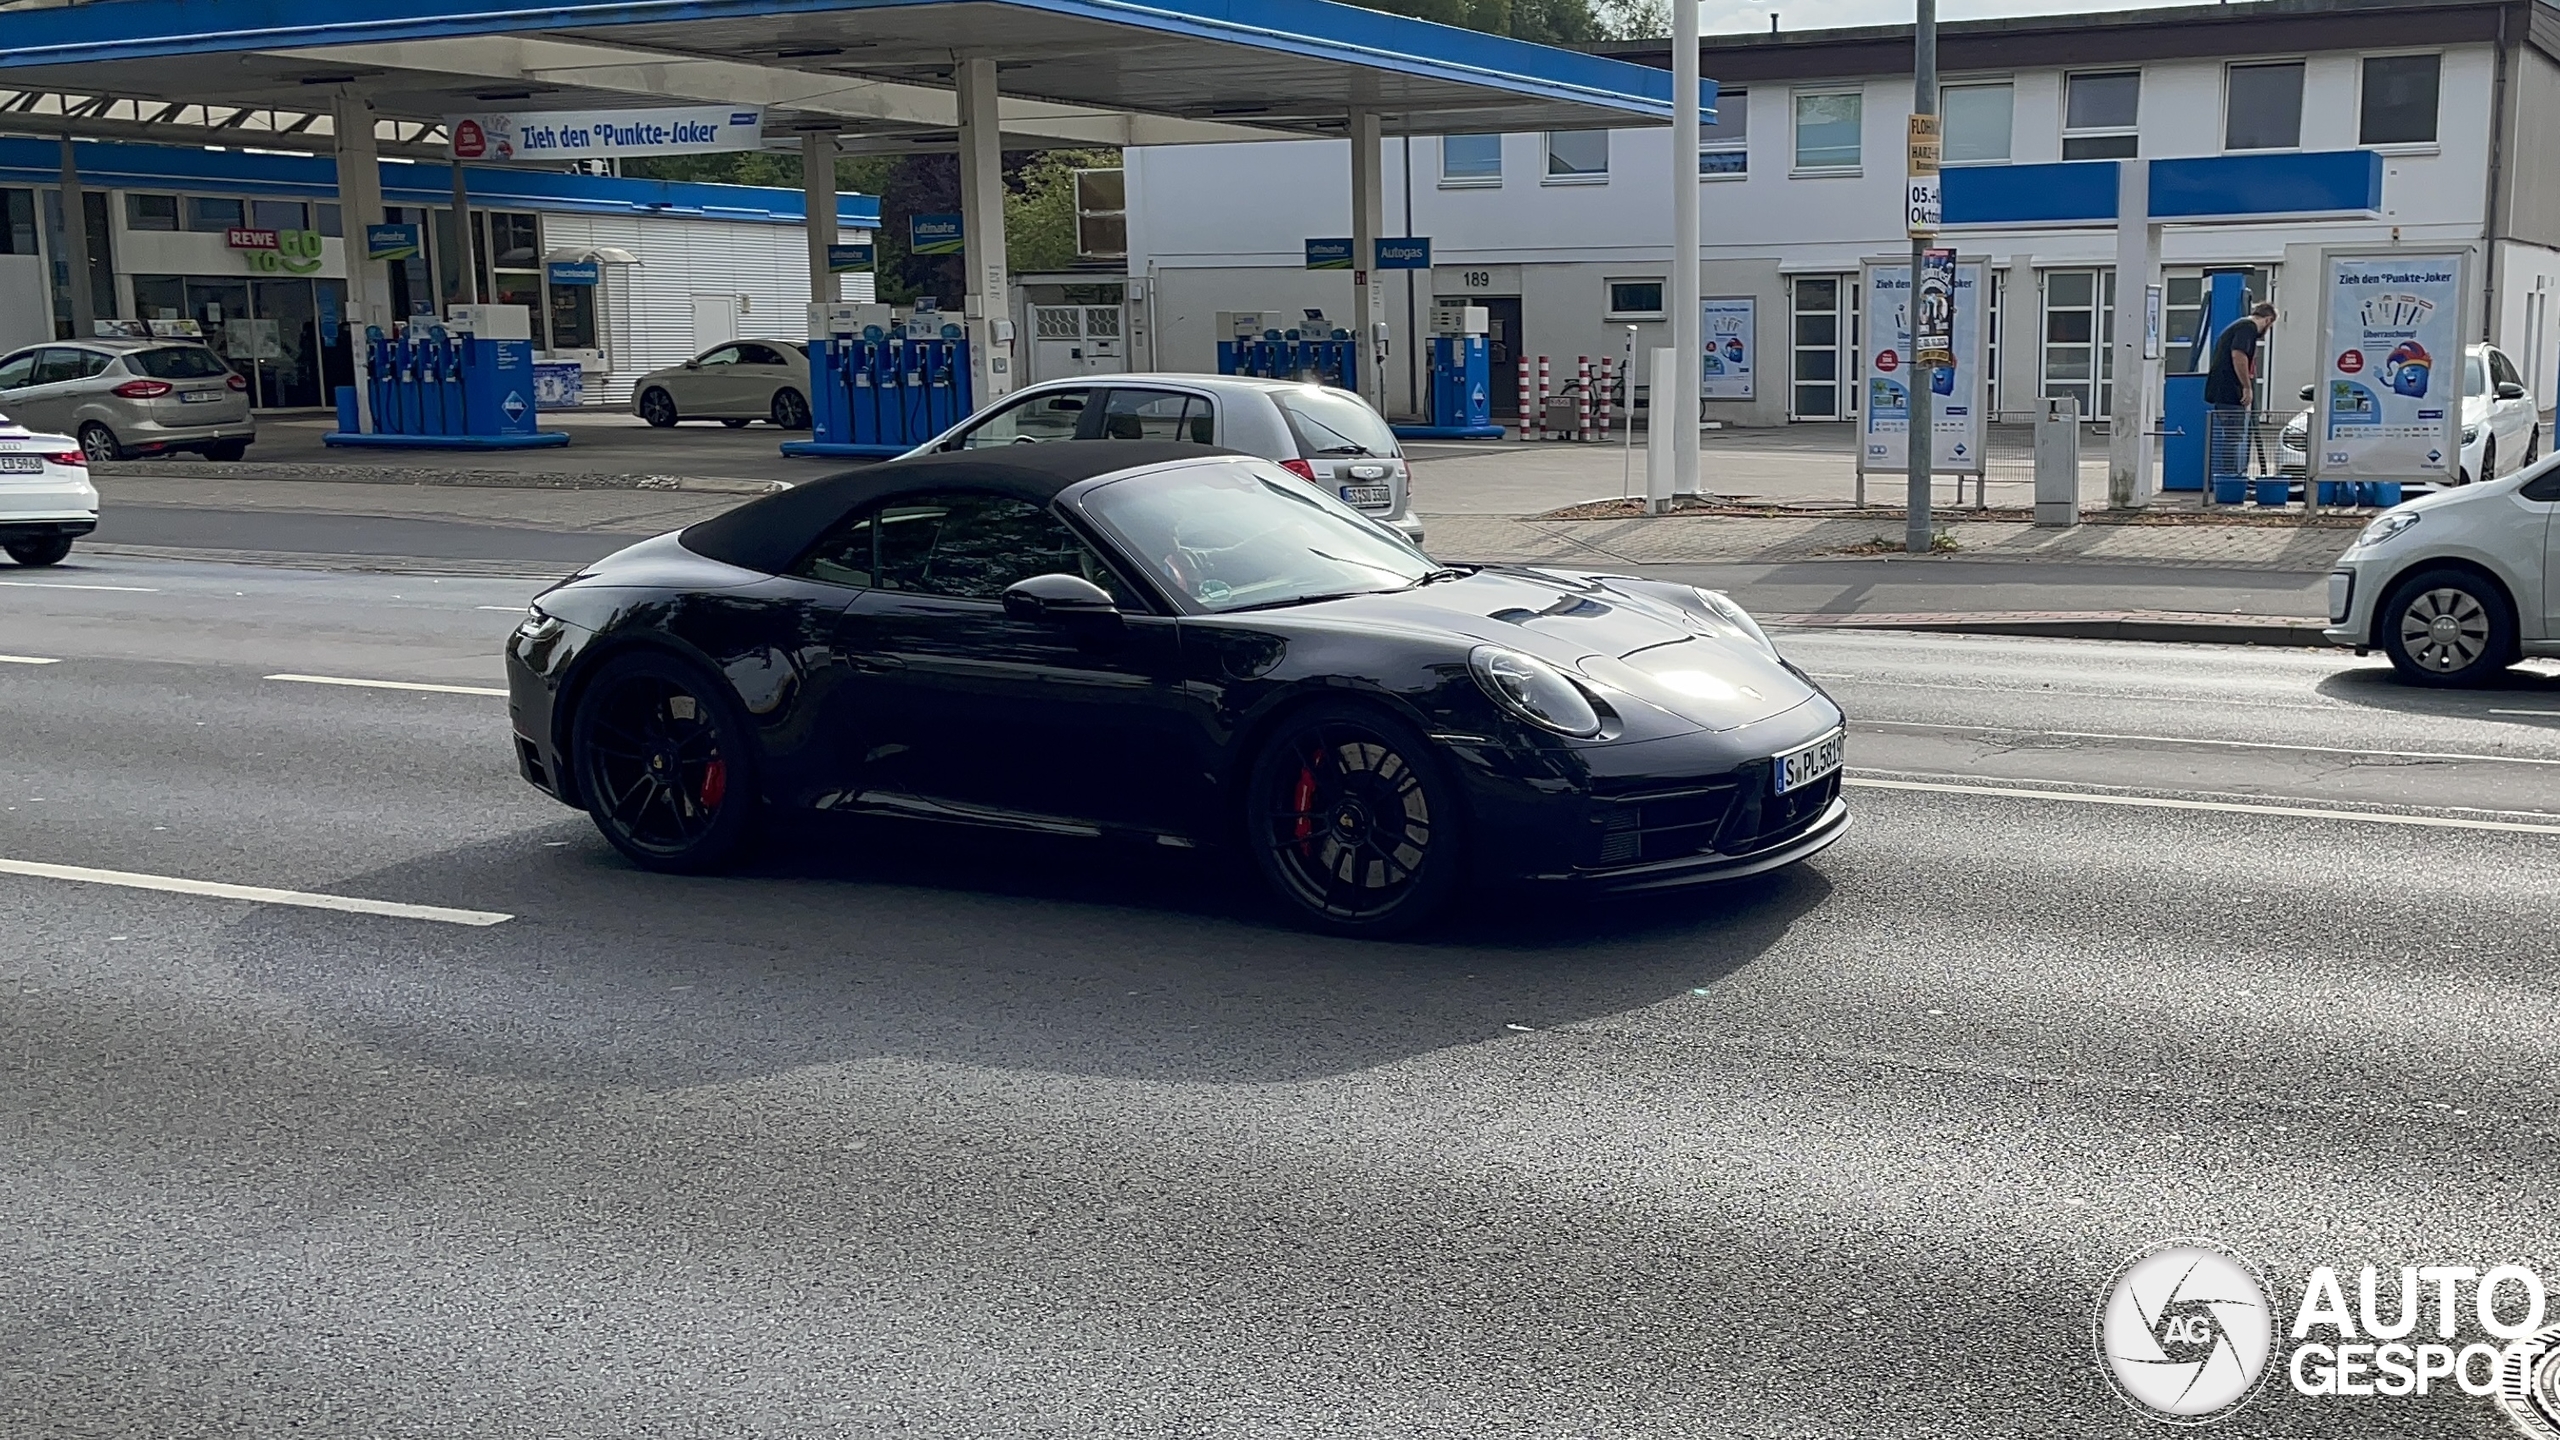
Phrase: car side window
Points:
(2545, 486)
(844, 555)
(725, 355)
(1158, 415)
(759, 355)
(2502, 371)
(55, 366)
(1053, 415)
(972, 546)
(18, 370)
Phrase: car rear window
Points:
(1334, 422)
(178, 362)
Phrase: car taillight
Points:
(144, 389)
(72, 458)
(1303, 469)
(236, 380)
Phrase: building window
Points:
(159, 297)
(1470, 159)
(1635, 299)
(515, 266)
(1102, 214)
(1823, 342)
(1827, 131)
(17, 222)
(1577, 156)
(2099, 115)
(279, 215)
(329, 220)
(1724, 148)
(2399, 100)
(213, 216)
(2262, 107)
(2079, 338)
(150, 212)
(1974, 124)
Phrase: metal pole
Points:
(462, 237)
(818, 210)
(1412, 321)
(80, 281)
(1627, 466)
(1686, 319)
(1922, 439)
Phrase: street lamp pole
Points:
(1920, 443)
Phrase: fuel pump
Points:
(2185, 449)
(1461, 400)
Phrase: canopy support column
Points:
(2137, 380)
(1368, 217)
(1687, 319)
(75, 245)
(989, 306)
(818, 199)
(360, 208)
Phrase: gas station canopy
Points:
(877, 72)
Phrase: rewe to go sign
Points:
(278, 252)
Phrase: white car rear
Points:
(46, 500)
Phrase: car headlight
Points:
(2388, 524)
(1732, 613)
(2469, 433)
(1534, 690)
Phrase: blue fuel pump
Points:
(1461, 398)
(467, 388)
(887, 385)
(2185, 450)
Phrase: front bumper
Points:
(2353, 588)
(1782, 847)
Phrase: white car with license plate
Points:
(1326, 437)
(2458, 585)
(46, 500)
(2501, 426)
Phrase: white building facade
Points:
(1565, 238)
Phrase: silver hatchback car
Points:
(126, 398)
(1328, 437)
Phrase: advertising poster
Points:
(604, 134)
(1936, 340)
(1732, 346)
(1886, 372)
(935, 235)
(392, 242)
(2389, 398)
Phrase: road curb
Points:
(422, 475)
(2166, 626)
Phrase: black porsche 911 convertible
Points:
(1177, 646)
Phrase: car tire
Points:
(2489, 459)
(735, 424)
(658, 407)
(2532, 446)
(227, 450)
(2447, 628)
(47, 551)
(1353, 822)
(100, 443)
(666, 762)
(790, 409)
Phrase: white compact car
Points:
(732, 383)
(2501, 430)
(2458, 585)
(46, 500)
(1327, 437)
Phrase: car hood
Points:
(1631, 639)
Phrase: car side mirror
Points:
(1059, 600)
(2306, 392)
(693, 364)
(2510, 390)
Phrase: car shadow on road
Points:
(939, 945)
(2379, 687)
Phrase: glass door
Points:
(2079, 338)
(1823, 331)
(221, 308)
(287, 335)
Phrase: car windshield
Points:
(1334, 422)
(2475, 376)
(1250, 536)
(178, 362)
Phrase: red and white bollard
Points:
(1607, 372)
(1526, 434)
(1545, 378)
(1582, 399)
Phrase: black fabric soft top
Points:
(770, 533)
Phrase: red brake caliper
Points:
(1304, 798)
(715, 782)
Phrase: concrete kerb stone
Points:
(436, 476)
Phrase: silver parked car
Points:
(1327, 437)
(733, 383)
(125, 398)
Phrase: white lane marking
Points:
(2226, 744)
(26, 660)
(389, 684)
(2015, 692)
(2225, 807)
(177, 885)
(2525, 712)
(67, 585)
(510, 609)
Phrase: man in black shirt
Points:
(2230, 385)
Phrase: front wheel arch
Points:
(1237, 776)
(2382, 593)
(582, 672)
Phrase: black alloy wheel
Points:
(790, 409)
(46, 551)
(2447, 627)
(227, 450)
(99, 443)
(1352, 823)
(665, 763)
(657, 407)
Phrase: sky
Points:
(1729, 16)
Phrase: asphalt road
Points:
(910, 1132)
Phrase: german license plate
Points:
(21, 465)
(199, 397)
(1366, 495)
(1807, 763)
